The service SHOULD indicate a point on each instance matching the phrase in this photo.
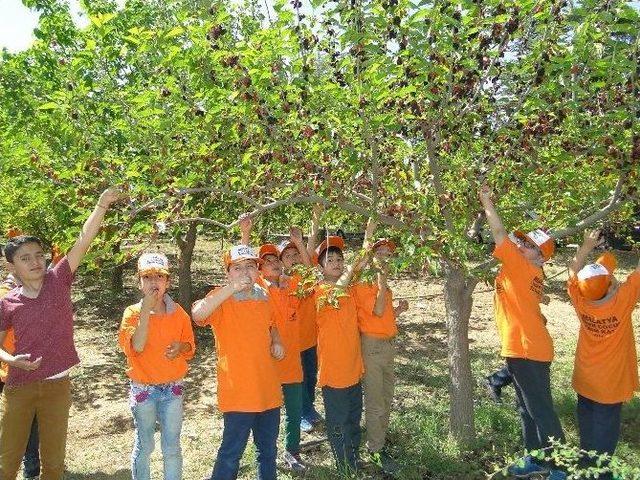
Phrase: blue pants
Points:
(235, 436)
(164, 404)
(31, 460)
(343, 411)
(501, 378)
(599, 426)
(309, 359)
(532, 382)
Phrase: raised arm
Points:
(91, 228)
(592, 239)
(381, 295)
(295, 234)
(246, 224)
(361, 261)
(315, 227)
(493, 219)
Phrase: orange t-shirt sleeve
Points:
(128, 327)
(186, 335)
(216, 315)
(630, 290)
(508, 254)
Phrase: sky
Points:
(17, 22)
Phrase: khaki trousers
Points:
(50, 400)
(378, 382)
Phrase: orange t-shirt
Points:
(306, 317)
(9, 344)
(369, 323)
(285, 305)
(519, 289)
(606, 365)
(151, 366)
(248, 379)
(339, 358)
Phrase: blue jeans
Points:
(164, 404)
(343, 411)
(599, 426)
(235, 436)
(309, 359)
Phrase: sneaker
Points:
(494, 392)
(315, 418)
(305, 425)
(386, 462)
(526, 467)
(557, 475)
(294, 462)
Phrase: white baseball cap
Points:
(238, 253)
(153, 262)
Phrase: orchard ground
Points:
(101, 427)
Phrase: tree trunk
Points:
(117, 274)
(185, 286)
(458, 301)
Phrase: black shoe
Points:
(494, 392)
(385, 461)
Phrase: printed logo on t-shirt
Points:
(537, 286)
(600, 327)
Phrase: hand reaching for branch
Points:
(592, 238)
(295, 234)
(246, 224)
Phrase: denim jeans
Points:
(599, 426)
(532, 382)
(151, 403)
(237, 425)
(309, 359)
(343, 411)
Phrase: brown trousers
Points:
(378, 382)
(50, 400)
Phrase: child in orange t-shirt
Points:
(157, 339)
(605, 373)
(526, 343)
(243, 321)
(291, 256)
(377, 323)
(339, 354)
(281, 289)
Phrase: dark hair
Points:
(14, 244)
(323, 255)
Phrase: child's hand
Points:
(485, 193)
(403, 306)
(545, 300)
(592, 238)
(277, 350)
(173, 350)
(109, 196)
(245, 223)
(22, 361)
(241, 284)
(295, 233)
(151, 298)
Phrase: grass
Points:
(101, 428)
